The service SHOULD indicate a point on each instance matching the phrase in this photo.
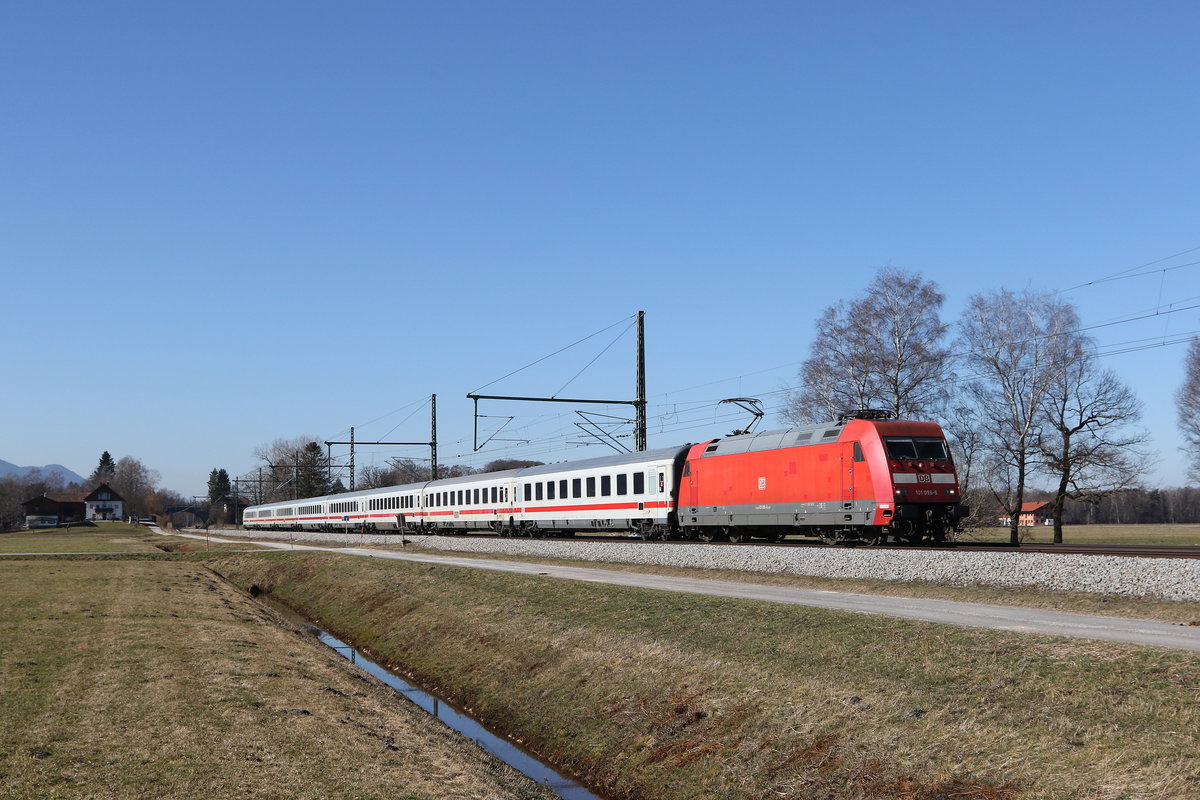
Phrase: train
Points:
(865, 477)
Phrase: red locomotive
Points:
(864, 478)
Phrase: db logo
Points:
(762, 484)
(923, 478)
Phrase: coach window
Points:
(493, 494)
(528, 492)
(622, 484)
(639, 483)
(576, 487)
(605, 485)
(537, 490)
(549, 490)
(591, 487)
(562, 488)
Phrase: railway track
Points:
(1129, 550)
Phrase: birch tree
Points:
(1088, 444)
(1013, 352)
(883, 350)
(1187, 402)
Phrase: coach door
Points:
(654, 485)
(851, 457)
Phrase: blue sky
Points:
(222, 224)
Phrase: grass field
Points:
(1094, 534)
(661, 696)
(153, 678)
(101, 537)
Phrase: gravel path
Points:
(1165, 578)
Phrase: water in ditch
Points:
(499, 747)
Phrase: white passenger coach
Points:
(634, 492)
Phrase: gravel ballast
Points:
(1162, 578)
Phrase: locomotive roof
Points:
(616, 460)
(787, 437)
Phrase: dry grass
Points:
(656, 695)
(1094, 534)
(136, 678)
(104, 537)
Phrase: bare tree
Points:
(1087, 443)
(508, 463)
(1187, 402)
(134, 481)
(883, 350)
(282, 473)
(968, 447)
(373, 476)
(1013, 353)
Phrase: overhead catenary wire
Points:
(696, 414)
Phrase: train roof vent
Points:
(830, 434)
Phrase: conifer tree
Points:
(218, 486)
(104, 471)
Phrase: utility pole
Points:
(352, 458)
(433, 435)
(639, 425)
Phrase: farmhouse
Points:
(52, 510)
(1032, 514)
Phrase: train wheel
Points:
(736, 535)
(707, 533)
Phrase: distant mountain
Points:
(7, 469)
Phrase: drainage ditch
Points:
(453, 718)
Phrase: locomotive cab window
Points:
(925, 449)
